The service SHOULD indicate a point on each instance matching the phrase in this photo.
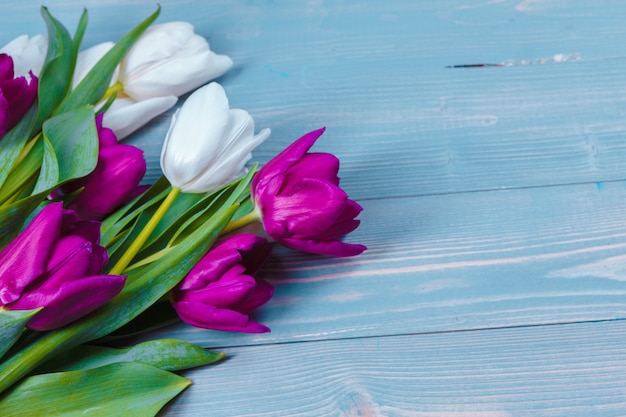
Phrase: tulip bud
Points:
(299, 200)
(56, 263)
(220, 290)
(208, 144)
(119, 170)
(170, 60)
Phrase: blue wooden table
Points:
(494, 200)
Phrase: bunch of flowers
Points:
(85, 248)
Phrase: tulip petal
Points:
(228, 163)
(225, 293)
(19, 94)
(189, 146)
(313, 165)
(70, 260)
(87, 229)
(70, 301)
(4, 113)
(345, 223)
(311, 210)
(324, 247)
(28, 53)
(6, 67)
(126, 115)
(210, 268)
(25, 258)
(284, 160)
(170, 59)
(119, 170)
(263, 292)
(210, 317)
(106, 136)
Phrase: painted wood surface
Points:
(567, 371)
(494, 198)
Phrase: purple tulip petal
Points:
(70, 260)
(20, 94)
(300, 201)
(327, 247)
(87, 229)
(119, 170)
(25, 258)
(4, 113)
(313, 165)
(289, 156)
(210, 268)
(263, 292)
(254, 250)
(70, 301)
(254, 258)
(345, 223)
(223, 294)
(211, 317)
(6, 67)
(106, 136)
(314, 208)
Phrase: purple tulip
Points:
(56, 263)
(16, 94)
(300, 201)
(220, 290)
(119, 171)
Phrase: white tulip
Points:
(28, 53)
(169, 60)
(208, 144)
(126, 115)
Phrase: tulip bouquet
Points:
(87, 250)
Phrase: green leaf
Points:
(144, 287)
(55, 77)
(93, 87)
(14, 141)
(78, 38)
(12, 325)
(70, 148)
(166, 354)
(24, 174)
(120, 389)
(114, 224)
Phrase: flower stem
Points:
(145, 233)
(115, 89)
(251, 217)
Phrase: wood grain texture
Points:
(494, 197)
(376, 76)
(567, 371)
(457, 261)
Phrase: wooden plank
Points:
(567, 370)
(375, 75)
(450, 262)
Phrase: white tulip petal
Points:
(170, 59)
(28, 54)
(178, 76)
(207, 144)
(194, 135)
(125, 115)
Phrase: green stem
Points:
(249, 218)
(145, 233)
(113, 90)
